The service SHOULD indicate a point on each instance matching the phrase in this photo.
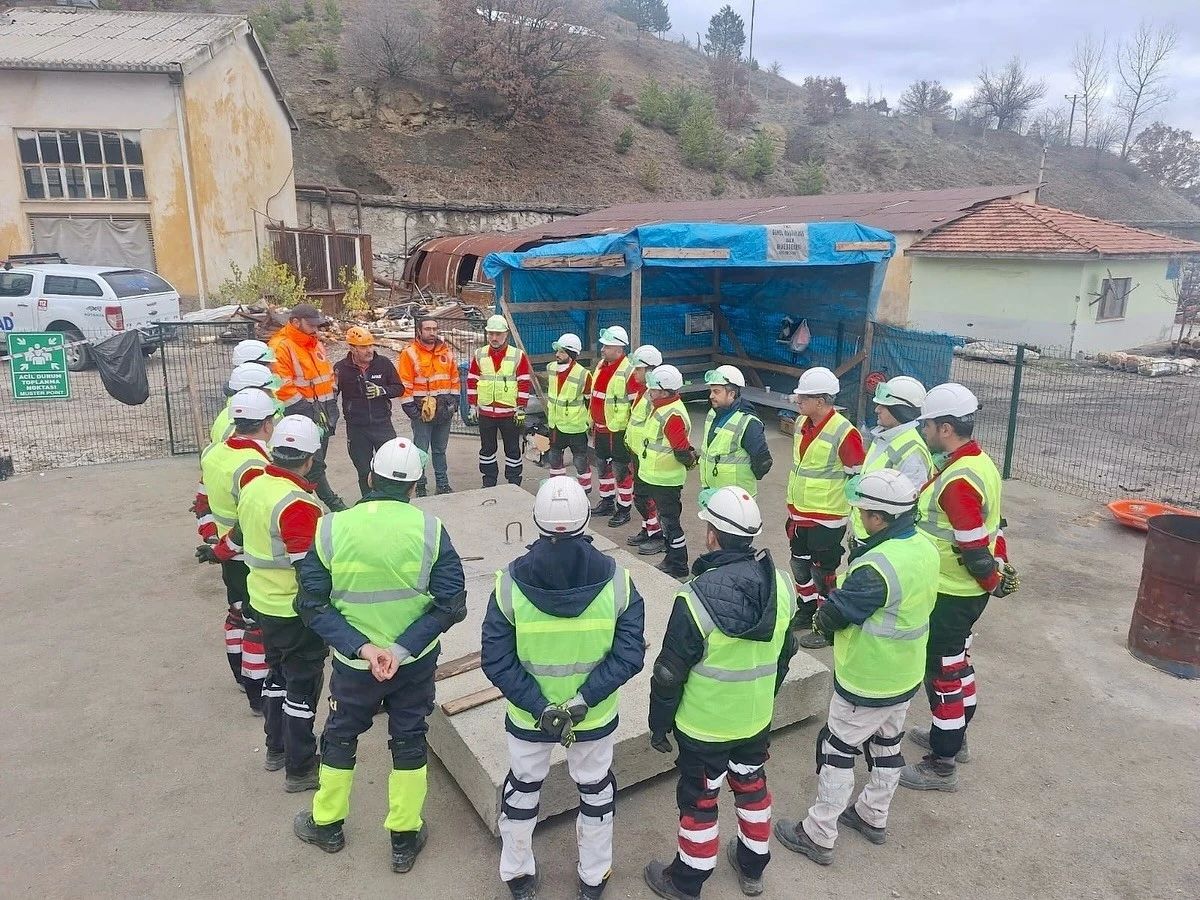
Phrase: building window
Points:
(1114, 294)
(82, 165)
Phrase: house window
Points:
(1114, 294)
(82, 165)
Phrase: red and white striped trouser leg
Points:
(254, 664)
(651, 522)
(585, 478)
(235, 631)
(625, 491)
(608, 480)
(968, 682)
(949, 714)
(752, 800)
(699, 839)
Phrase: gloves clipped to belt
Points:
(374, 391)
(1010, 581)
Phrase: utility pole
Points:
(1037, 191)
(750, 55)
(1074, 98)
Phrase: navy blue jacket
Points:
(861, 594)
(754, 441)
(561, 577)
(446, 583)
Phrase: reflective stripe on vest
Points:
(223, 467)
(560, 652)
(272, 584)
(730, 694)
(319, 387)
(635, 429)
(380, 554)
(983, 475)
(497, 388)
(885, 656)
(615, 395)
(890, 455)
(723, 461)
(567, 410)
(658, 464)
(817, 481)
(433, 385)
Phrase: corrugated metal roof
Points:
(113, 41)
(1005, 227)
(435, 263)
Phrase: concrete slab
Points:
(472, 745)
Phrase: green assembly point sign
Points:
(38, 362)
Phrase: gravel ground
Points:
(132, 767)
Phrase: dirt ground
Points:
(132, 767)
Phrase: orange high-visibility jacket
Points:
(301, 363)
(428, 372)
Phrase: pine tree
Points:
(726, 34)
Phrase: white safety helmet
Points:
(949, 399)
(561, 508)
(296, 433)
(398, 460)
(252, 351)
(252, 375)
(733, 511)
(251, 404)
(616, 336)
(569, 342)
(817, 380)
(725, 375)
(498, 324)
(901, 390)
(665, 378)
(647, 355)
(883, 490)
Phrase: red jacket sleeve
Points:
(963, 506)
(473, 382)
(852, 453)
(298, 527)
(205, 524)
(677, 433)
(524, 381)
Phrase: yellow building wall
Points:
(893, 297)
(241, 160)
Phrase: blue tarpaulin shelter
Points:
(705, 294)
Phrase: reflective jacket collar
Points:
(241, 442)
(373, 494)
(970, 448)
(809, 425)
(299, 338)
(904, 527)
(670, 398)
(300, 482)
(885, 435)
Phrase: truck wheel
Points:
(79, 357)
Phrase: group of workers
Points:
(378, 583)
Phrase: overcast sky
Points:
(888, 44)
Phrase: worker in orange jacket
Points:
(432, 392)
(308, 387)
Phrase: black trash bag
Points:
(123, 368)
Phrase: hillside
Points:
(414, 139)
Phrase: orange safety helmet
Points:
(357, 336)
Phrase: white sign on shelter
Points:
(787, 243)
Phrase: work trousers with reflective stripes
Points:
(361, 442)
(243, 638)
(506, 429)
(616, 475)
(703, 770)
(590, 766)
(664, 506)
(295, 675)
(354, 699)
(849, 731)
(949, 676)
(816, 555)
(650, 514)
(560, 442)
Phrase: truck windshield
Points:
(135, 283)
(15, 284)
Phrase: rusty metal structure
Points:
(1165, 628)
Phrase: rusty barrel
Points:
(1165, 629)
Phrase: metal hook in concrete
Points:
(490, 501)
(508, 530)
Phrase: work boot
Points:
(813, 640)
(444, 489)
(658, 879)
(793, 836)
(919, 735)
(652, 546)
(256, 711)
(329, 838)
(931, 774)
(309, 781)
(620, 517)
(525, 887)
(673, 567)
(591, 891)
(751, 887)
(606, 507)
(406, 846)
(636, 540)
(276, 760)
(851, 819)
(422, 489)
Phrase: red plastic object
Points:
(1137, 513)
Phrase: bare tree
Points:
(925, 98)
(1142, 76)
(1089, 66)
(389, 41)
(1106, 133)
(1050, 126)
(1008, 94)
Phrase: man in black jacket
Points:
(367, 382)
(562, 632)
(725, 654)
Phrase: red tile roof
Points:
(1006, 227)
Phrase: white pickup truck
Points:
(86, 303)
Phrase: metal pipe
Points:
(1014, 403)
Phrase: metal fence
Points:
(186, 373)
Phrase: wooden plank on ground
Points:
(865, 246)
(450, 668)
(594, 261)
(470, 701)
(685, 253)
